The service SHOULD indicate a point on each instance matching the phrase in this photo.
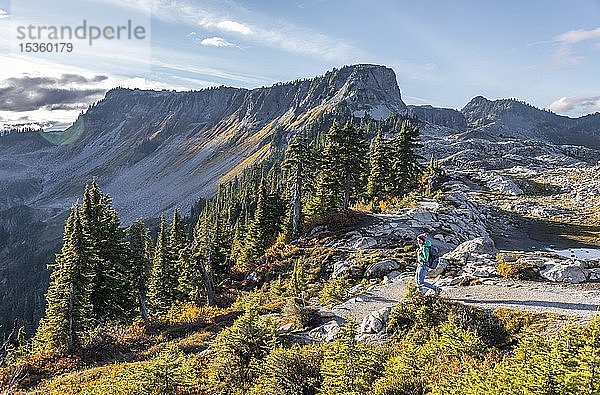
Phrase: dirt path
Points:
(581, 301)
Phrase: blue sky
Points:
(444, 53)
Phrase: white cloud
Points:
(216, 42)
(249, 26)
(576, 105)
(235, 27)
(565, 57)
(3, 14)
(575, 36)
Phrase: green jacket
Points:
(423, 254)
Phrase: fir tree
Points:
(294, 165)
(256, 236)
(111, 290)
(380, 160)
(177, 235)
(342, 165)
(141, 262)
(69, 311)
(163, 279)
(406, 166)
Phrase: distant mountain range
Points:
(152, 150)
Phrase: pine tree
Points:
(140, 262)
(163, 279)
(406, 166)
(294, 165)
(380, 160)
(68, 314)
(111, 295)
(256, 236)
(339, 178)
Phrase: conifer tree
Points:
(140, 262)
(294, 165)
(342, 165)
(111, 295)
(163, 279)
(380, 160)
(406, 166)
(349, 367)
(256, 236)
(177, 235)
(69, 311)
(206, 261)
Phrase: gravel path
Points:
(581, 301)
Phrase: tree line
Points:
(106, 272)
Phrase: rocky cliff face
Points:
(516, 119)
(152, 150)
(446, 117)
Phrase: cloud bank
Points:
(28, 93)
(576, 105)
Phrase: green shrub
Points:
(291, 371)
(334, 291)
(416, 364)
(237, 353)
(350, 367)
(567, 363)
(416, 315)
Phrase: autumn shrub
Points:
(518, 322)
(39, 365)
(168, 373)
(511, 267)
(190, 313)
(297, 313)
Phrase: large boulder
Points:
(364, 243)
(474, 248)
(380, 269)
(564, 273)
(340, 269)
(376, 320)
(325, 333)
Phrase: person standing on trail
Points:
(423, 259)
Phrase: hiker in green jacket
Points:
(423, 251)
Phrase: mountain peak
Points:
(367, 89)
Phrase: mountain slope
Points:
(516, 119)
(152, 150)
(175, 147)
